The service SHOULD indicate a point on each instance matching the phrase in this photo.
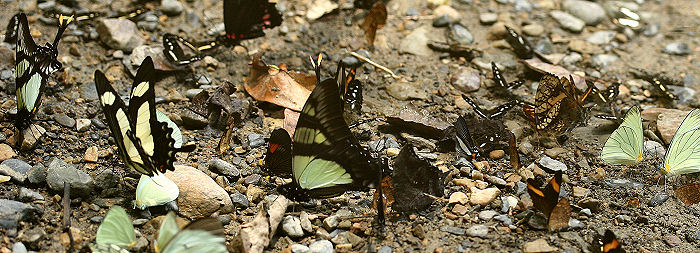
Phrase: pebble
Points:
(98, 123)
(299, 248)
(667, 123)
(567, 21)
(91, 154)
(453, 230)
(384, 249)
(460, 209)
(601, 37)
(552, 164)
(106, 179)
(461, 34)
(331, 222)
(59, 171)
(27, 195)
(12, 212)
(446, 10)
(488, 18)
(487, 214)
(64, 120)
(6, 152)
(442, 21)
(505, 219)
(192, 120)
(655, 149)
(171, 7)
(483, 197)
(319, 8)
(17, 169)
(497, 154)
(575, 224)
(478, 231)
(415, 43)
(321, 246)
(672, 240)
(590, 12)
(200, 196)
(239, 200)
(458, 197)
(623, 218)
(119, 34)
(659, 199)
(586, 212)
(603, 60)
(677, 49)
(466, 79)
(82, 125)
(305, 222)
(539, 245)
(580, 192)
(534, 30)
(522, 6)
(224, 167)
(18, 247)
(255, 140)
(291, 225)
(37, 174)
(571, 58)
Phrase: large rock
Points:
(17, 169)
(12, 212)
(59, 171)
(200, 196)
(119, 34)
(668, 122)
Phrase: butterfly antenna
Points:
(62, 25)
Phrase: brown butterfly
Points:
(689, 194)
(547, 201)
(557, 105)
(375, 20)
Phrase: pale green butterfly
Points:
(155, 191)
(116, 233)
(203, 235)
(626, 143)
(683, 155)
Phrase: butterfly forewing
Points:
(279, 153)
(626, 143)
(246, 19)
(683, 155)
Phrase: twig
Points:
(66, 214)
(375, 64)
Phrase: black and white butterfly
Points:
(147, 139)
(327, 160)
(243, 20)
(33, 65)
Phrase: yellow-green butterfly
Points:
(683, 155)
(154, 191)
(115, 234)
(203, 235)
(626, 143)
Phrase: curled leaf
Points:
(277, 85)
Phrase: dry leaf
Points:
(255, 236)
(278, 85)
(375, 20)
(290, 121)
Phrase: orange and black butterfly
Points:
(557, 211)
(557, 105)
(607, 244)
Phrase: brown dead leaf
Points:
(277, 85)
(290, 121)
(375, 20)
(255, 235)
(561, 72)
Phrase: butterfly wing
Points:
(327, 159)
(545, 200)
(203, 235)
(119, 125)
(168, 229)
(548, 101)
(279, 153)
(465, 145)
(155, 191)
(29, 80)
(413, 178)
(683, 155)
(626, 143)
(559, 218)
(116, 229)
(246, 19)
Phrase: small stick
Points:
(66, 213)
(375, 64)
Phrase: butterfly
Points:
(412, 179)
(350, 89)
(155, 191)
(660, 83)
(557, 104)
(689, 194)
(501, 81)
(608, 243)
(327, 160)
(626, 143)
(278, 159)
(683, 154)
(243, 20)
(521, 46)
(33, 65)
(557, 211)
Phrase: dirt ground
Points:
(641, 227)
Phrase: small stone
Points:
(239, 200)
(496, 181)
(672, 240)
(446, 10)
(200, 196)
(483, 197)
(37, 174)
(393, 152)
(590, 12)
(453, 230)
(416, 42)
(465, 79)
(17, 169)
(119, 34)
(460, 210)
(668, 121)
(224, 167)
(305, 222)
(539, 245)
(488, 18)
(12, 212)
(505, 219)
(18, 247)
(458, 197)
(331, 222)
(81, 183)
(534, 30)
(603, 60)
(575, 224)
(487, 214)
(6, 152)
(255, 140)
(321, 246)
(27, 195)
(82, 125)
(601, 37)
(655, 149)
(623, 219)
(171, 7)
(384, 249)
(567, 21)
(497, 154)
(552, 164)
(292, 226)
(299, 248)
(580, 192)
(461, 34)
(677, 49)
(31, 136)
(64, 120)
(586, 212)
(91, 154)
(319, 8)
(659, 199)
(478, 231)
(442, 21)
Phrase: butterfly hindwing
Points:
(279, 153)
(626, 143)
(246, 19)
(683, 155)
(116, 229)
(202, 235)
